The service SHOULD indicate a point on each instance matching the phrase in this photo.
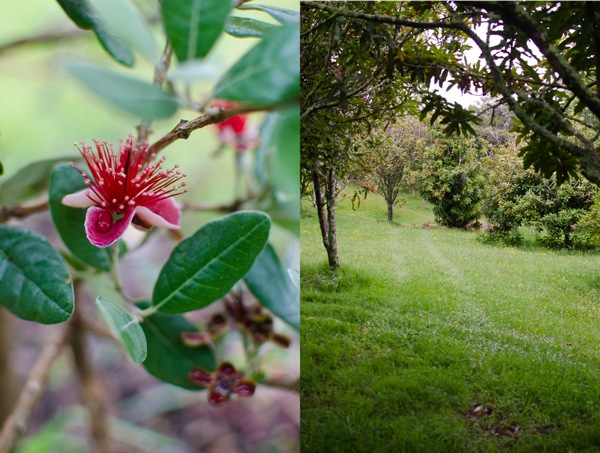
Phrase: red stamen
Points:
(117, 181)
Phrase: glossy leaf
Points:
(273, 287)
(269, 73)
(80, 12)
(245, 27)
(69, 222)
(124, 327)
(114, 46)
(278, 158)
(84, 15)
(193, 26)
(27, 182)
(169, 359)
(124, 20)
(196, 70)
(282, 15)
(34, 281)
(204, 266)
(295, 276)
(134, 96)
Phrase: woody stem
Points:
(114, 268)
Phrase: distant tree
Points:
(451, 180)
(515, 196)
(389, 172)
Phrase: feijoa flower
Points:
(125, 188)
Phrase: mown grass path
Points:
(428, 340)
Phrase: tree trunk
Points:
(330, 195)
(326, 212)
(390, 211)
(320, 205)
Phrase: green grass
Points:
(423, 325)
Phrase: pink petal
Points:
(78, 199)
(101, 230)
(165, 214)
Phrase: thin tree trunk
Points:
(390, 211)
(7, 379)
(330, 195)
(320, 204)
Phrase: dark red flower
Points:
(235, 131)
(124, 188)
(222, 383)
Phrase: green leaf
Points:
(193, 26)
(1, 169)
(196, 70)
(295, 276)
(282, 15)
(269, 73)
(34, 281)
(245, 27)
(169, 359)
(80, 12)
(85, 16)
(69, 221)
(278, 158)
(28, 182)
(273, 287)
(124, 326)
(114, 46)
(134, 96)
(204, 266)
(124, 21)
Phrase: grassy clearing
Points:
(429, 341)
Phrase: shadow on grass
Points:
(322, 279)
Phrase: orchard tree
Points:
(541, 58)
(357, 73)
(71, 272)
(388, 172)
(451, 180)
(396, 157)
(514, 196)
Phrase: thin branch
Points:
(91, 391)
(213, 115)
(160, 75)
(16, 424)
(43, 38)
(22, 211)
(231, 207)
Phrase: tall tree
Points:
(541, 58)
(358, 72)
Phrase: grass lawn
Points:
(428, 340)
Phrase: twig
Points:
(91, 391)
(160, 75)
(22, 211)
(43, 38)
(231, 207)
(32, 390)
(213, 115)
